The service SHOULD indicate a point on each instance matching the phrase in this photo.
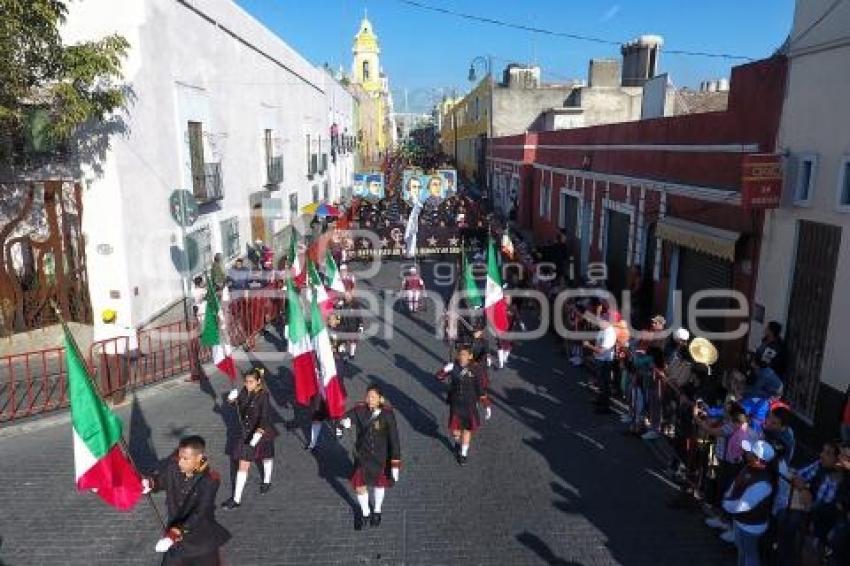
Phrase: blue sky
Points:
(428, 54)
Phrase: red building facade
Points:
(660, 195)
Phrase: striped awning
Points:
(699, 237)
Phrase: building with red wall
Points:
(661, 194)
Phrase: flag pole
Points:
(72, 342)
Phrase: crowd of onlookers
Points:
(730, 433)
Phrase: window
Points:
(545, 202)
(196, 158)
(315, 193)
(365, 71)
(293, 205)
(844, 184)
(230, 237)
(327, 192)
(805, 185)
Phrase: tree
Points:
(49, 90)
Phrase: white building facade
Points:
(805, 257)
(220, 107)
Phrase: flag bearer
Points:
(192, 534)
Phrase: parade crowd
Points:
(730, 433)
(732, 446)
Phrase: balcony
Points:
(274, 172)
(207, 186)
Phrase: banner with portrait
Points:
(369, 186)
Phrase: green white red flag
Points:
(332, 275)
(472, 292)
(330, 385)
(494, 299)
(317, 289)
(214, 336)
(300, 347)
(298, 273)
(100, 464)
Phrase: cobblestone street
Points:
(548, 482)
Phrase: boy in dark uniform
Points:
(253, 441)
(377, 453)
(192, 534)
(466, 391)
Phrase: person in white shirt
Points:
(199, 299)
(749, 499)
(603, 354)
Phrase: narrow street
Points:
(548, 482)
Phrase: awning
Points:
(699, 237)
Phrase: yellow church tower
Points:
(375, 123)
(367, 67)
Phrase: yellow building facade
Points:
(465, 127)
(376, 129)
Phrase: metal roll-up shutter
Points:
(699, 272)
(616, 252)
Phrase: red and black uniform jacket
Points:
(376, 447)
(191, 510)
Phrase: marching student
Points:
(347, 278)
(350, 326)
(254, 440)
(515, 324)
(412, 286)
(377, 454)
(192, 534)
(466, 392)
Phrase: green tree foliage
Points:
(49, 89)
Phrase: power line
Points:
(574, 36)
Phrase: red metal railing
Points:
(35, 382)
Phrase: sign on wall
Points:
(761, 180)
(369, 185)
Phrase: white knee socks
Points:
(363, 499)
(379, 498)
(315, 431)
(241, 478)
(268, 465)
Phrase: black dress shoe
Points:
(358, 522)
(376, 520)
(230, 504)
(461, 459)
(265, 487)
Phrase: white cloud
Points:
(610, 13)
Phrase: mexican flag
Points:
(211, 335)
(494, 300)
(299, 345)
(473, 293)
(318, 289)
(297, 272)
(507, 245)
(99, 462)
(330, 385)
(332, 276)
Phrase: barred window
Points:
(230, 237)
(199, 248)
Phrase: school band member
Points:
(377, 454)
(515, 324)
(466, 385)
(412, 285)
(253, 440)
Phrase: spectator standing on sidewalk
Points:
(602, 350)
(748, 500)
